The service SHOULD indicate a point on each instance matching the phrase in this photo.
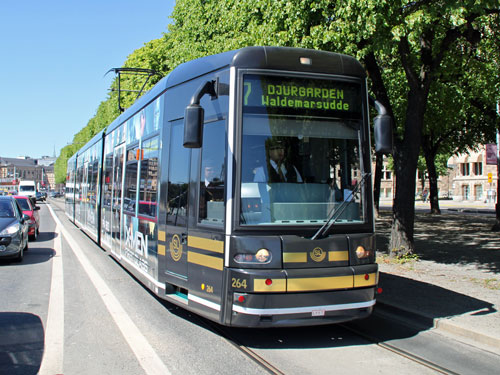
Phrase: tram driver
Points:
(278, 165)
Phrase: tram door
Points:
(177, 205)
(117, 195)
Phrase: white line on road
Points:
(54, 332)
(145, 354)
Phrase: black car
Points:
(14, 227)
(41, 196)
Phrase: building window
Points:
(465, 192)
(478, 192)
(478, 169)
(465, 169)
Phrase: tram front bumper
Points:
(302, 297)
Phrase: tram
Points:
(239, 188)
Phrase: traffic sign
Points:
(490, 177)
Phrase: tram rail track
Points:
(401, 352)
(224, 332)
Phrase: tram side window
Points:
(211, 197)
(107, 183)
(149, 178)
(177, 196)
(130, 187)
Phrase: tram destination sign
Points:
(300, 96)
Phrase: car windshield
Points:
(23, 203)
(26, 188)
(6, 209)
(298, 166)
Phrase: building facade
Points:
(13, 170)
(469, 178)
(473, 179)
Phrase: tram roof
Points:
(282, 58)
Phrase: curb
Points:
(444, 325)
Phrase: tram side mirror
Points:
(382, 131)
(193, 126)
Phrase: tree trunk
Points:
(430, 161)
(433, 186)
(405, 161)
(376, 183)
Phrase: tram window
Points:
(177, 197)
(211, 207)
(130, 194)
(107, 183)
(149, 178)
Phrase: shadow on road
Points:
(21, 343)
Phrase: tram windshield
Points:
(301, 151)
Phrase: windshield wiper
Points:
(336, 212)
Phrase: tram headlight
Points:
(261, 256)
(361, 252)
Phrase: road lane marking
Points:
(52, 362)
(145, 354)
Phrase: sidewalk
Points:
(454, 286)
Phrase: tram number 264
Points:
(239, 283)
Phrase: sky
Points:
(54, 55)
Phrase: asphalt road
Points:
(70, 308)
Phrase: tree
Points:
(403, 45)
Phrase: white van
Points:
(27, 188)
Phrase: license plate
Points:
(318, 313)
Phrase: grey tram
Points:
(239, 188)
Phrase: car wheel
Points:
(20, 256)
(33, 237)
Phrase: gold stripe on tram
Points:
(205, 260)
(278, 285)
(301, 257)
(161, 249)
(360, 280)
(294, 257)
(319, 283)
(206, 244)
(338, 256)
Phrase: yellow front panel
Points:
(319, 283)
(294, 257)
(206, 244)
(338, 256)
(205, 260)
(359, 280)
(278, 285)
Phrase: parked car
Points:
(41, 196)
(55, 194)
(13, 229)
(31, 210)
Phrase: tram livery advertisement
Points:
(239, 188)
